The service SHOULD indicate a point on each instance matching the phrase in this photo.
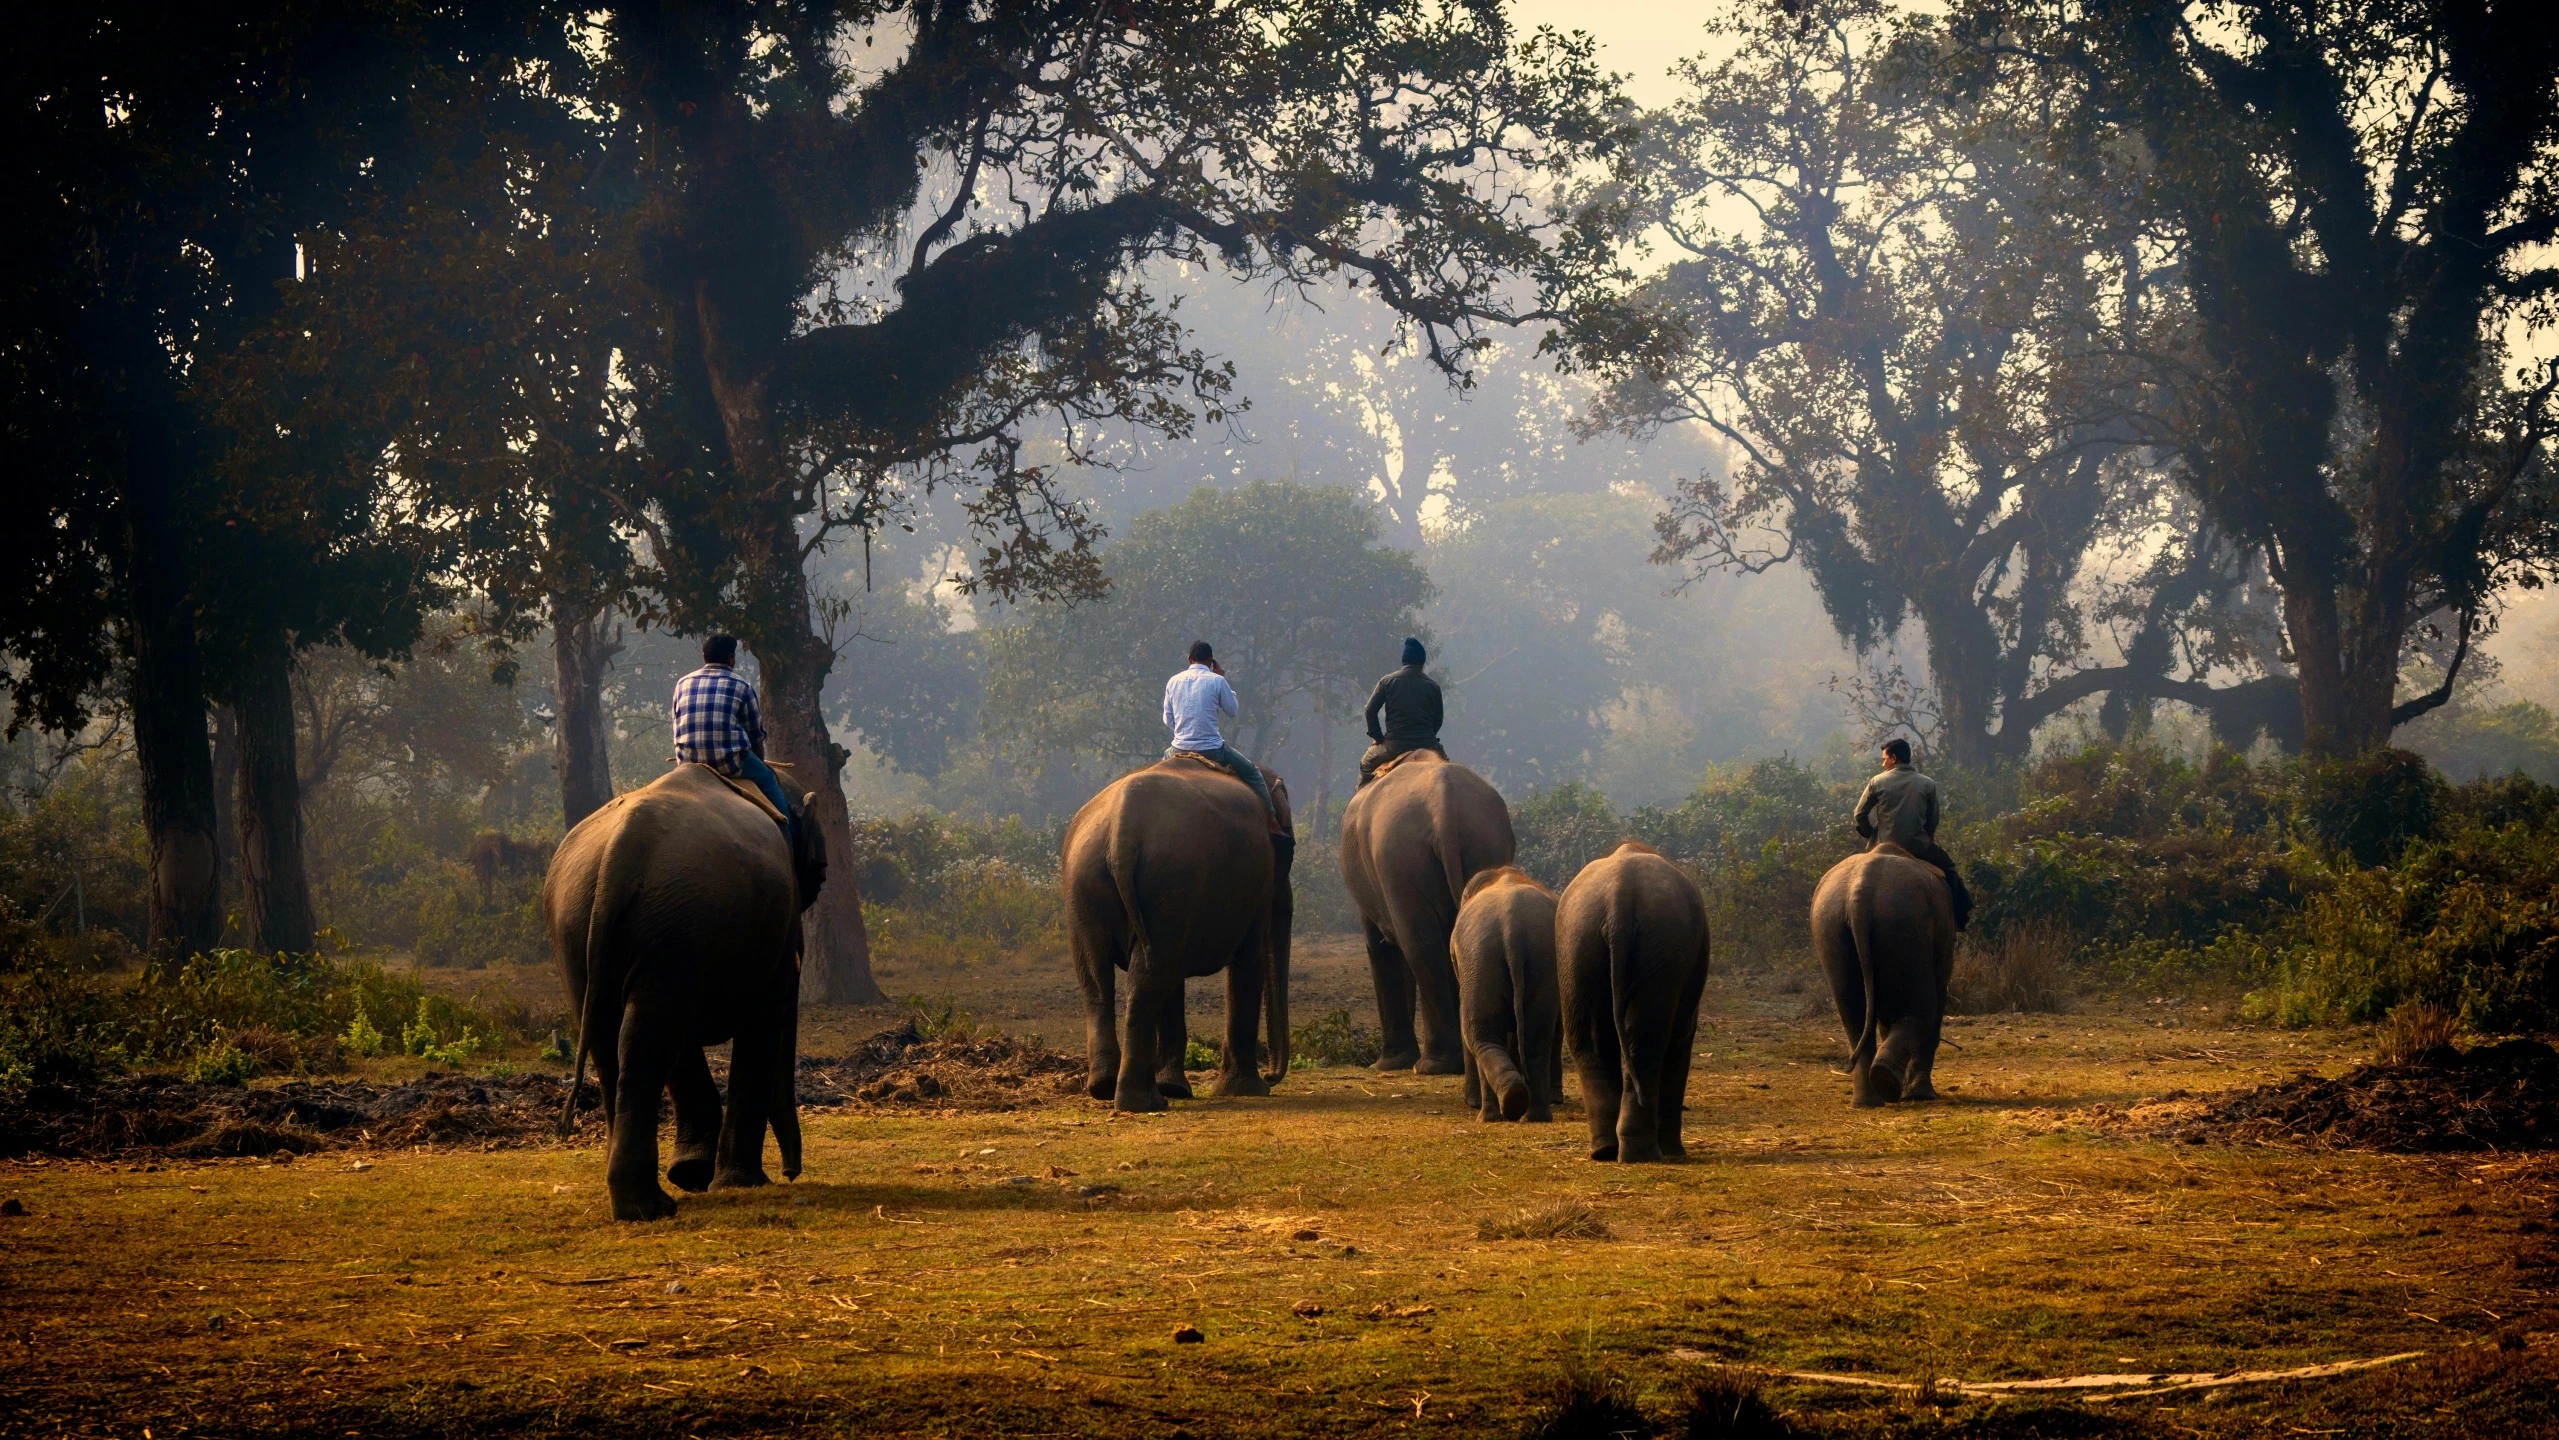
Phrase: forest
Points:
(2145, 409)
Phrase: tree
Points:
(826, 340)
(2361, 201)
(167, 161)
(1292, 584)
(1910, 342)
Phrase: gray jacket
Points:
(1899, 805)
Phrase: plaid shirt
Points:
(715, 717)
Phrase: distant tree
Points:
(2361, 203)
(1302, 598)
(911, 685)
(1909, 338)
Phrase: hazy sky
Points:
(1637, 38)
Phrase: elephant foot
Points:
(1396, 1060)
(741, 1179)
(1604, 1152)
(1174, 1086)
(1516, 1099)
(1440, 1065)
(1880, 1085)
(1539, 1115)
(691, 1173)
(642, 1203)
(1675, 1154)
(1250, 1082)
(1639, 1152)
(1136, 1103)
(1921, 1091)
(1102, 1084)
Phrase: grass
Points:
(2012, 1231)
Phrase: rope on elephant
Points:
(2096, 1388)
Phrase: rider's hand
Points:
(1215, 668)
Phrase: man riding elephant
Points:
(1410, 843)
(1899, 807)
(1404, 713)
(717, 724)
(1194, 699)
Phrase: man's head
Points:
(720, 650)
(1414, 654)
(1896, 752)
(1200, 653)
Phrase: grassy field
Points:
(1026, 1272)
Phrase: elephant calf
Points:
(1504, 944)
(1631, 940)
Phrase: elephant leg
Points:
(1241, 1074)
(1495, 1088)
(1908, 1052)
(646, 1055)
(697, 1120)
(754, 1057)
(1173, 1045)
(1541, 1046)
(1672, 1101)
(1441, 1039)
(1603, 1085)
(1397, 1047)
(1098, 960)
(785, 1100)
(1148, 990)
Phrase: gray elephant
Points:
(1884, 929)
(674, 914)
(1410, 841)
(1504, 946)
(1631, 944)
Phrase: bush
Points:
(2371, 807)
(1561, 830)
(1336, 1039)
(2023, 972)
(975, 912)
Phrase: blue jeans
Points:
(751, 767)
(1231, 760)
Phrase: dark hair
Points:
(1200, 653)
(719, 650)
(1898, 748)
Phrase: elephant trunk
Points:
(1283, 919)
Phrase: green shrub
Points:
(441, 1032)
(222, 1063)
(975, 911)
(1335, 1039)
(1561, 830)
(1199, 1054)
(2370, 807)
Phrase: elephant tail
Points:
(1861, 932)
(1123, 860)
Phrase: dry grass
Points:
(1569, 1221)
(2022, 973)
(2005, 1233)
(2415, 1027)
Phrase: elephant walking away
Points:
(1410, 842)
(1504, 946)
(1884, 930)
(675, 916)
(1630, 936)
(1171, 872)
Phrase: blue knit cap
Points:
(1413, 652)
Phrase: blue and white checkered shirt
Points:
(715, 717)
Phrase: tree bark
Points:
(276, 890)
(581, 748)
(167, 694)
(226, 785)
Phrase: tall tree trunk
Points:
(276, 890)
(167, 693)
(836, 968)
(1963, 664)
(2311, 623)
(226, 785)
(580, 746)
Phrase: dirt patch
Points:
(2495, 1097)
(162, 1116)
(899, 1068)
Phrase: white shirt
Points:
(1192, 702)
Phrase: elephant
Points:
(1504, 946)
(674, 914)
(1411, 840)
(1630, 936)
(1884, 929)
(1174, 871)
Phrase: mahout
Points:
(1175, 871)
(1410, 842)
(1884, 931)
(1631, 946)
(674, 912)
(1504, 947)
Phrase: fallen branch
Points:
(2113, 1387)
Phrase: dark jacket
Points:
(1410, 702)
(1899, 805)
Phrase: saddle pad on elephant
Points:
(748, 789)
(1386, 765)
